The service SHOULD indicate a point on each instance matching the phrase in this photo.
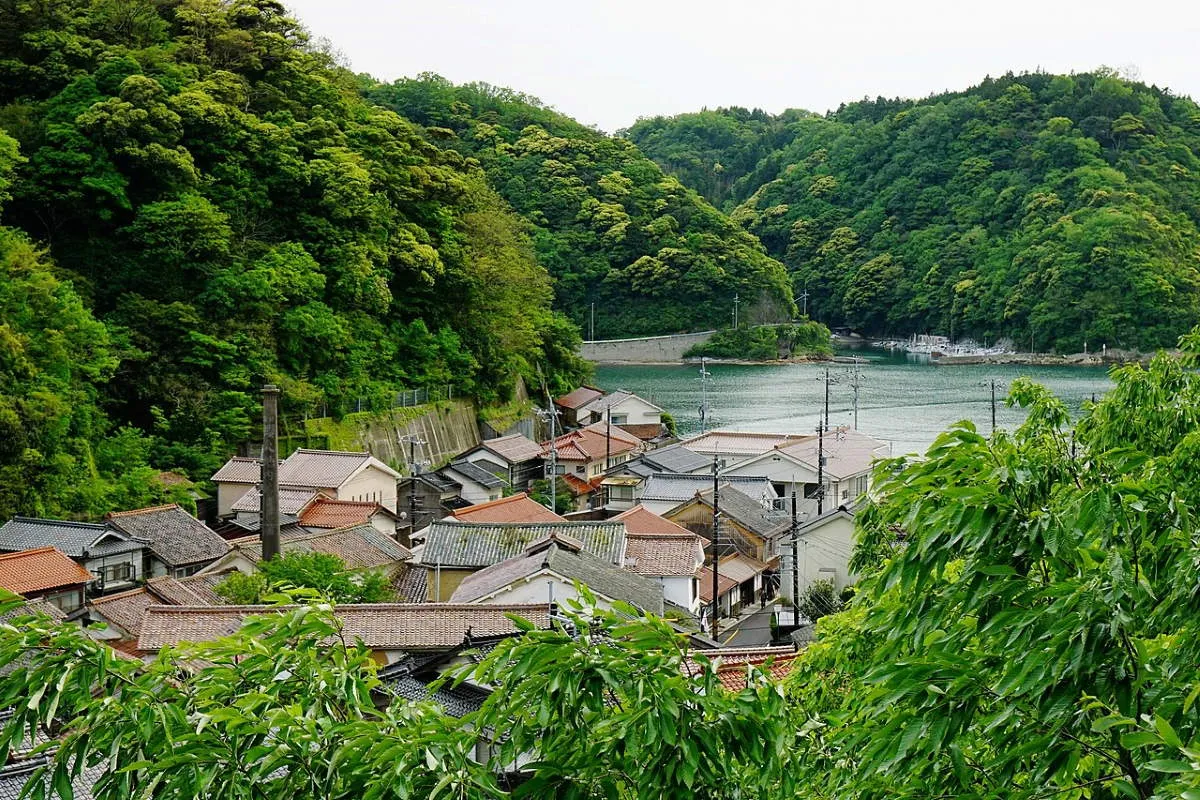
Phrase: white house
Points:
(792, 466)
(478, 484)
(340, 475)
(640, 417)
(666, 553)
(823, 549)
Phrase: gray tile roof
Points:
(665, 486)
(574, 565)
(317, 469)
(176, 537)
(238, 470)
(474, 472)
(457, 701)
(514, 448)
(677, 458)
(72, 538)
(749, 512)
(475, 545)
(291, 500)
(14, 776)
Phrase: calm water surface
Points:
(900, 400)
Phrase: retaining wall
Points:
(646, 350)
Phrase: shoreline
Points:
(1043, 360)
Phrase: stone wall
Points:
(647, 350)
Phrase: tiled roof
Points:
(516, 508)
(671, 487)
(202, 585)
(740, 443)
(578, 486)
(619, 434)
(675, 458)
(587, 444)
(642, 521)
(326, 513)
(125, 609)
(474, 472)
(15, 775)
(34, 607)
(572, 564)
(380, 626)
(412, 584)
(439, 482)
(847, 452)
(291, 501)
(317, 469)
(40, 570)
(725, 584)
(326, 468)
(473, 546)
(514, 448)
(72, 538)
(579, 397)
(669, 555)
(360, 546)
(457, 701)
(741, 567)
(238, 470)
(748, 511)
(731, 663)
(175, 536)
(645, 432)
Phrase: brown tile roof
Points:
(517, 508)
(326, 513)
(325, 468)
(579, 397)
(643, 432)
(202, 585)
(741, 442)
(587, 444)
(847, 452)
(731, 663)
(360, 546)
(619, 434)
(291, 501)
(514, 448)
(641, 520)
(175, 536)
(125, 609)
(725, 584)
(663, 555)
(380, 626)
(40, 570)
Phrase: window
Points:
(579, 470)
(620, 419)
(620, 492)
(65, 602)
(115, 573)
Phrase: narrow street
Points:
(751, 631)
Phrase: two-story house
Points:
(624, 408)
(117, 559)
(339, 475)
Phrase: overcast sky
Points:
(608, 62)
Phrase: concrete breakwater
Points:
(1043, 359)
(644, 350)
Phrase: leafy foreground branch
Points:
(286, 708)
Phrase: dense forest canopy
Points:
(219, 207)
(609, 226)
(1056, 210)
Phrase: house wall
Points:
(384, 524)
(682, 591)
(228, 494)
(536, 590)
(661, 507)
(134, 560)
(824, 554)
(632, 411)
(65, 598)
(443, 582)
(697, 518)
(372, 484)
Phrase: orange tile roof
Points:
(731, 663)
(517, 508)
(663, 555)
(579, 397)
(642, 520)
(725, 584)
(39, 570)
(587, 444)
(326, 513)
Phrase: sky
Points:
(609, 62)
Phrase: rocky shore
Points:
(1111, 358)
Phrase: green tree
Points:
(326, 574)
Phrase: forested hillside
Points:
(1055, 210)
(609, 226)
(201, 201)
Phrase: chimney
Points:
(268, 509)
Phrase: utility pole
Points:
(268, 508)
(736, 298)
(705, 375)
(804, 298)
(821, 426)
(795, 563)
(607, 444)
(414, 468)
(592, 328)
(993, 405)
(551, 413)
(716, 608)
(854, 384)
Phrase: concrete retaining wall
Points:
(647, 350)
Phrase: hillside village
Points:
(647, 523)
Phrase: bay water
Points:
(902, 400)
